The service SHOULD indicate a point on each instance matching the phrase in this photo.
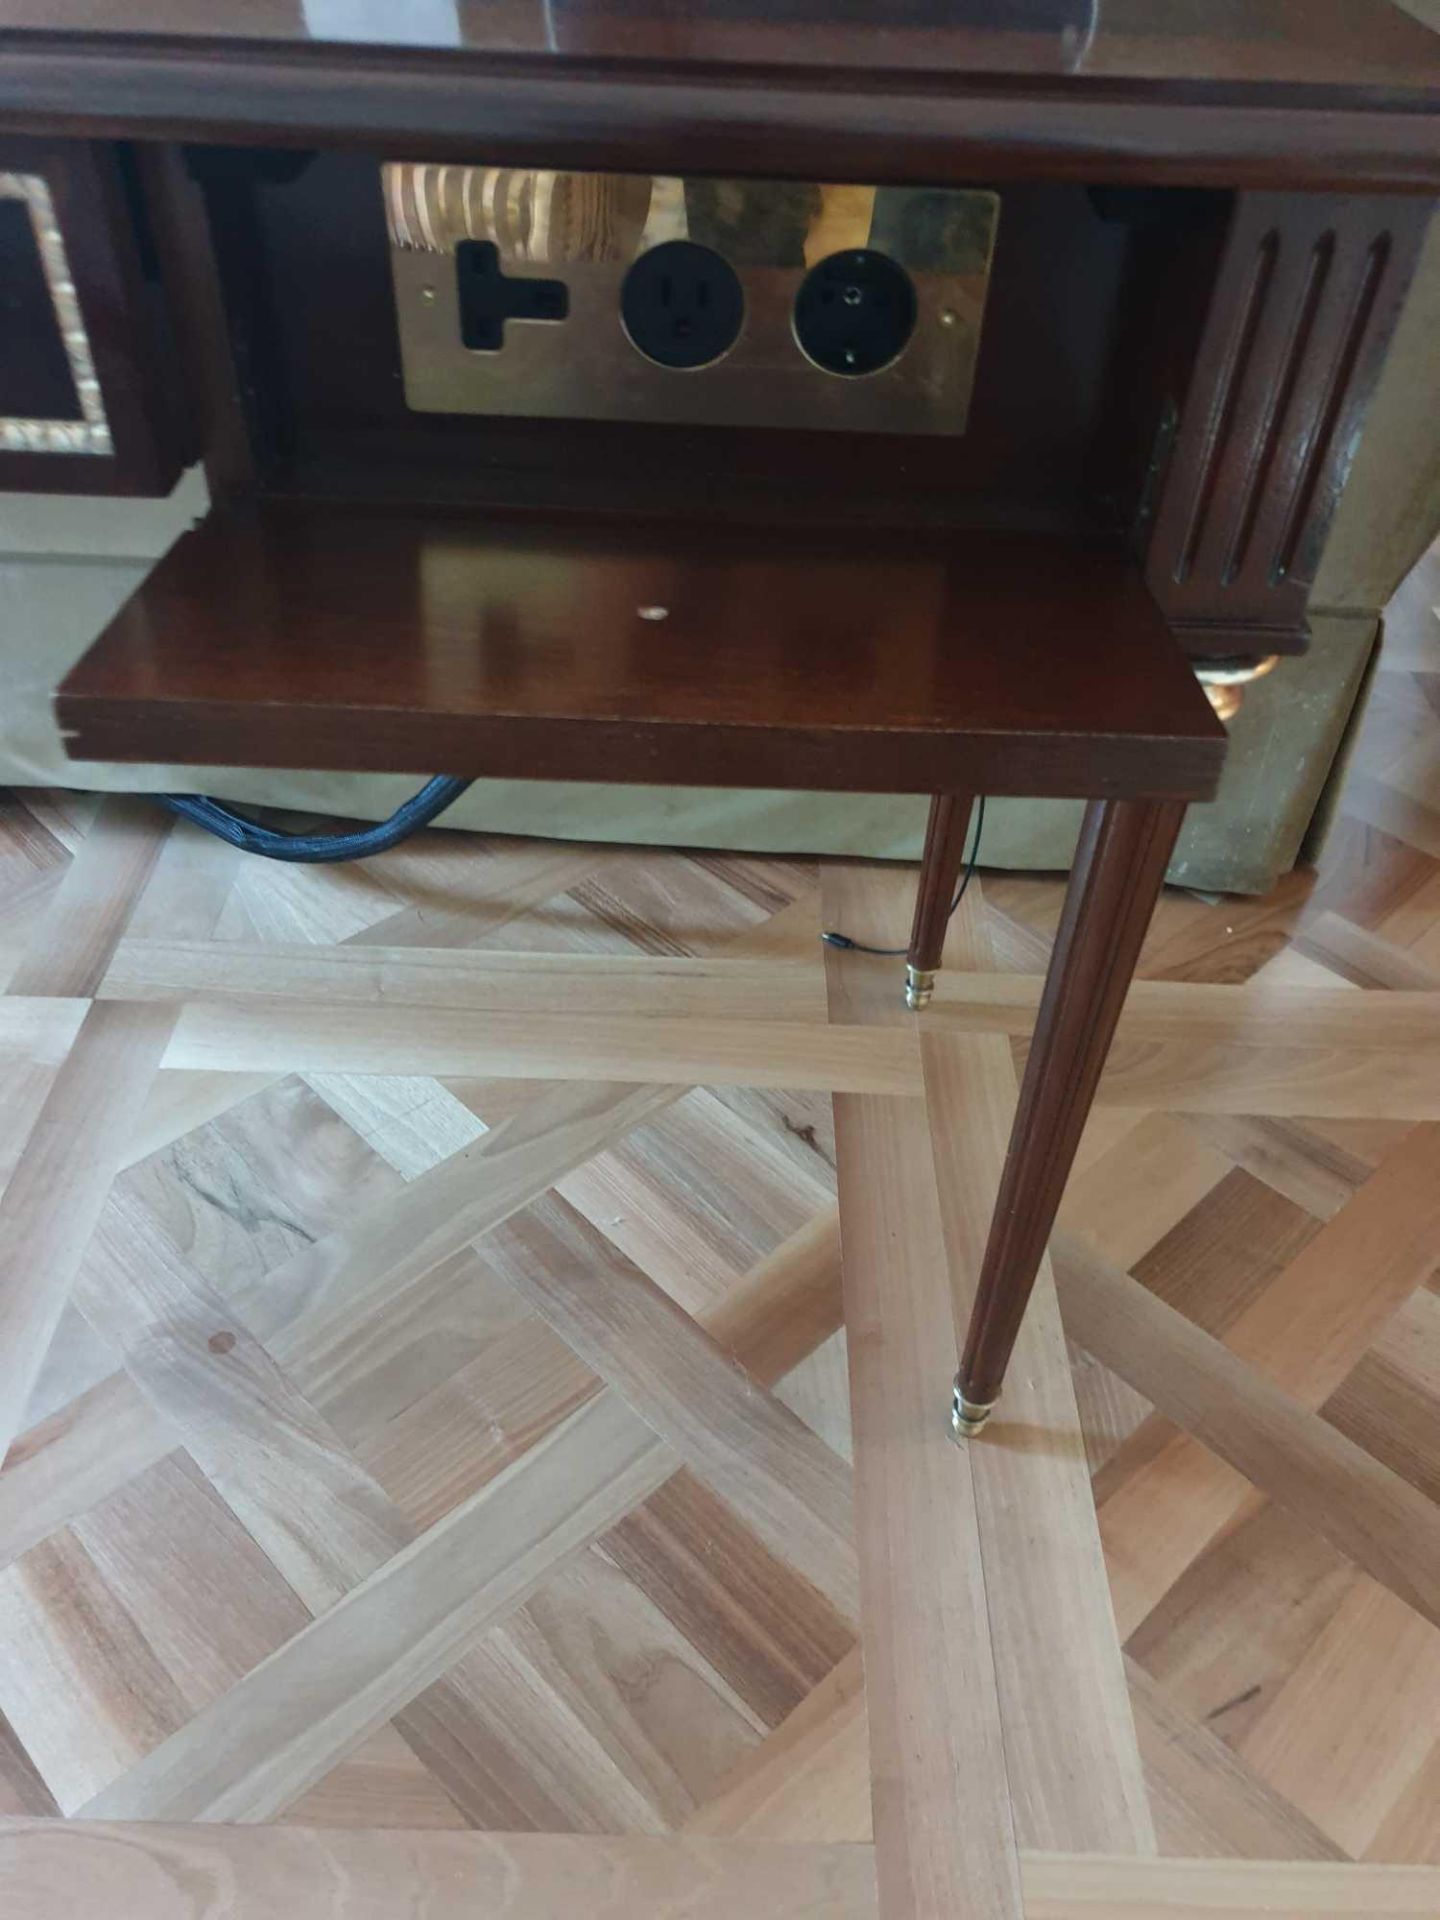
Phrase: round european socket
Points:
(855, 312)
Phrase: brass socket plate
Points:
(588, 228)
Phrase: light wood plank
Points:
(1370, 1513)
(1074, 1766)
(278, 1465)
(787, 1305)
(38, 1028)
(1240, 1620)
(810, 1780)
(86, 1450)
(944, 1831)
(1198, 1013)
(1390, 1403)
(788, 1486)
(358, 1270)
(412, 1122)
(280, 1730)
(1355, 1722)
(54, 1196)
(942, 1804)
(1175, 1076)
(316, 1307)
(1127, 1197)
(169, 1872)
(1411, 1829)
(1310, 1328)
(89, 911)
(326, 1038)
(121, 1626)
(589, 1711)
(635, 986)
(695, 1200)
(58, 1869)
(1317, 1174)
(1284, 1081)
(460, 888)
(1206, 1801)
(185, 896)
(1167, 1499)
(769, 1634)
(239, 972)
(384, 1783)
(327, 1526)
(1071, 1753)
(1076, 1888)
(1364, 956)
(180, 1102)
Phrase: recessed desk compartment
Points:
(459, 642)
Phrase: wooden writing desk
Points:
(1209, 221)
(1210, 217)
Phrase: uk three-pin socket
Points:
(855, 312)
(682, 305)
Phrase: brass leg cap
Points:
(967, 1417)
(919, 987)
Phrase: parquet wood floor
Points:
(432, 1381)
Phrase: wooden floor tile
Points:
(453, 1465)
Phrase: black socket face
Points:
(855, 312)
(682, 304)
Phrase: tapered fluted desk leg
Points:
(1125, 846)
(939, 874)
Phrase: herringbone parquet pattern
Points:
(423, 1340)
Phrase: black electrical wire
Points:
(413, 814)
(847, 945)
(315, 848)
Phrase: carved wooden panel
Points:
(90, 395)
(1308, 293)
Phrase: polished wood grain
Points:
(358, 639)
(1151, 93)
(1370, 43)
(1305, 302)
(940, 865)
(1118, 872)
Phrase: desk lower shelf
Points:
(365, 639)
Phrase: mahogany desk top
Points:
(1281, 92)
